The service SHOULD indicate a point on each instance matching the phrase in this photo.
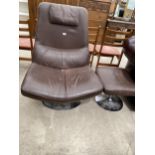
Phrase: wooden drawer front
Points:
(95, 5)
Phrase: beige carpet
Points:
(85, 130)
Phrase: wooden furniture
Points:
(93, 33)
(113, 8)
(25, 40)
(133, 15)
(116, 32)
(98, 12)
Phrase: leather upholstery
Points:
(60, 58)
(60, 68)
(62, 36)
(129, 51)
(116, 81)
(60, 85)
(63, 15)
(69, 43)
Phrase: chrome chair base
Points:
(61, 106)
(111, 103)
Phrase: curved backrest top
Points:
(129, 49)
(61, 36)
(62, 26)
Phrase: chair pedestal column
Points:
(111, 103)
(61, 106)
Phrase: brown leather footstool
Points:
(116, 82)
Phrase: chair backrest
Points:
(93, 33)
(117, 31)
(98, 12)
(61, 36)
(33, 10)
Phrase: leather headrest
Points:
(63, 15)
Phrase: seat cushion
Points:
(57, 85)
(116, 81)
(106, 50)
(91, 47)
(25, 43)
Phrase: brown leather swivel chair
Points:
(129, 51)
(60, 74)
(117, 81)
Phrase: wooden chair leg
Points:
(119, 59)
(112, 60)
(98, 60)
(92, 59)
